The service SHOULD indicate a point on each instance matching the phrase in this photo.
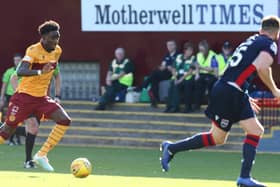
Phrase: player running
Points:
(36, 70)
(230, 104)
(32, 124)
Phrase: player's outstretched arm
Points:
(24, 69)
(262, 64)
(57, 97)
(57, 85)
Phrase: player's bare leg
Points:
(62, 123)
(254, 131)
(215, 136)
(5, 132)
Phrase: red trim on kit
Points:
(65, 122)
(205, 140)
(251, 142)
(216, 124)
(253, 137)
(245, 74)
(212, 139)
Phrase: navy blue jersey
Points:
(240, 68)
(169, 59)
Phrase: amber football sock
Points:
(2, 140)
(53, 139)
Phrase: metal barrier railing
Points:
(269, 115)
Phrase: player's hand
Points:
(254, 105)
(47, 68)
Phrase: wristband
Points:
(39, 72)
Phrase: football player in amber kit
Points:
(31, 98)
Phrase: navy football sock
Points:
(195, 142)
(249, 152)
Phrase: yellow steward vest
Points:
(222, 63)
(127, 79)
(205, 62)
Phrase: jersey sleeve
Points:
(29, 55)
(6, 77)
(58, 52)
(271, 48)
(14, 74)
(56, 70)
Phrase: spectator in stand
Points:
(163, 72)
(207, 74)
(118, 79)
(6, 92)
(224, 57)
(182, 79)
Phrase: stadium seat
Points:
(163, 90)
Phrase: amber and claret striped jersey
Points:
(37, 56)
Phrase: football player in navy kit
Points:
(229, 102)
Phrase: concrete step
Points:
(87, 105)
(147, 116)
(135, 133)
(142, 124)
(132, 125)
(119, 141)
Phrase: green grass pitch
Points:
(135, 168)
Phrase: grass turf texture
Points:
(133, 168)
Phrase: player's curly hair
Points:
(48, 26)
(270, 23)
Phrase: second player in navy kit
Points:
(229, 103)
(232, 86)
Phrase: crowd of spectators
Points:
(191, 76)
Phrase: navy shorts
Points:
(228, 105)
